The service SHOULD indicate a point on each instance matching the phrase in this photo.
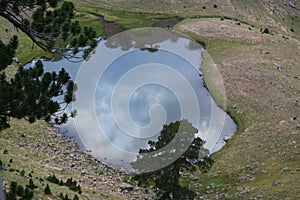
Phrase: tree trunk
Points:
(176, 186)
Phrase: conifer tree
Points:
(166, 179)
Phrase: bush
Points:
(47, 190)
(28, 194)
(13, 188)
(66, 197)
(11, 170)
(31, 185)
(53, 179)
(5, 151)
(16, 190)
(266, 31)
(215, 6)
(61, 196)
(72, 185)
(20, 190)
(22, 173)
(75, 197)
(61, 183)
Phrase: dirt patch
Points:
(110, 28)
(169, 23)
(216, 28)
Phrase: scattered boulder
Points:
(227, 138)
(276, 183)
(16, 60)
(126, 187)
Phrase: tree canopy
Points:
(31, 92)
(167, 179)
(49, 25)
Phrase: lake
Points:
(132, 84)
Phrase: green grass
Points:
(259, 140)
(126, 19)
(89, 20)
(263, 97)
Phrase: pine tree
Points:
(166, 179)
(30, 93)
(45, 27)
(75, 197)
(47, 190)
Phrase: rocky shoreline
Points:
(63, 155)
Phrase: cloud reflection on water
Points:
(114, 125)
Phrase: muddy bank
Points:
(169, 22)
(111, 28)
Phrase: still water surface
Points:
(131, 83)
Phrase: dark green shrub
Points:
(66, 197)
(53, 179)
(11, 170)
(31, 185)
(266, 31)
(13, 188)
(22, 173)
(61, 183)
(20, 190)
(61, 196)
(72, 185)
(47, 190)
(28, 194)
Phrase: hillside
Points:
(262, 161)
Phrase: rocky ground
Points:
(56, 154)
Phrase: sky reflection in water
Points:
(114, 109)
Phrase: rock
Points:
(245, 178)
(193, 177)
(285, 169)
(126, 187)
(50, 144)
(260, 196)
(297, 103)
(276, 183)
(16, 60)
(73, 165)
(227, 138)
